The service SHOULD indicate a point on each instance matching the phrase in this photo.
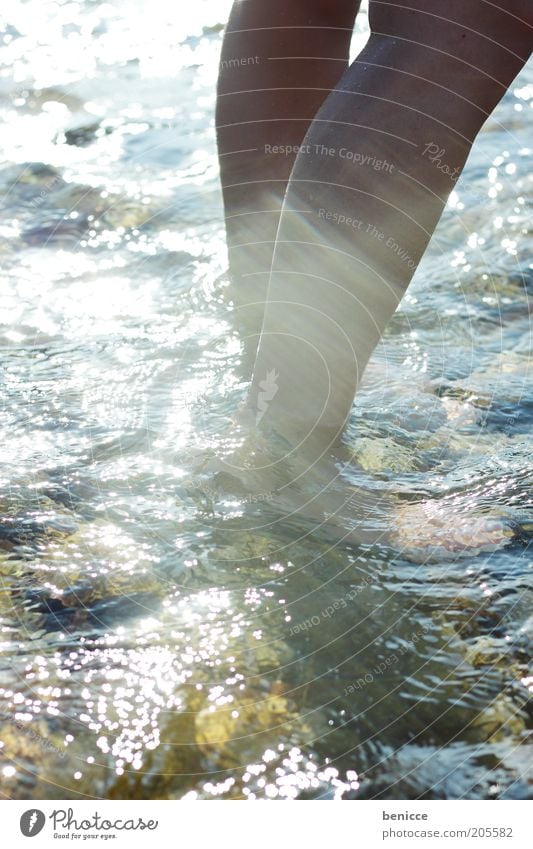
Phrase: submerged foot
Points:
(261, 474)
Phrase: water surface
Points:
(157, 643)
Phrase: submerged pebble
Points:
(164, 637)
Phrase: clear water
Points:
(153, 644)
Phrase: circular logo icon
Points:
(32, 822)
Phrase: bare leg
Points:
(365, 194)
(266, 100)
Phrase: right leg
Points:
(380, 160)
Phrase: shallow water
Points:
(155, 644)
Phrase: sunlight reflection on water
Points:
(162, 644)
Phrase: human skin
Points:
(266, 97)
(365, 193)
(384, 151)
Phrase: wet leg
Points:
(363, 200)
(280, 59)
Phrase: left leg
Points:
(267, 96)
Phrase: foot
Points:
(259, 473)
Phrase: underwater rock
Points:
(231, 734)
(36, 98)
(522, 280)
(506, 379)
(427, 531)
(70, 613)
(246, 547)
(501, 719)
(29, 748)
(376, 455)
(72, 210)
(57, 232)
(487, 650)
(111, 564)
(31, 174)
(84, 135)
(459, 413)
(29, 518)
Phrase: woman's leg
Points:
(266, 99)
(366, 192)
